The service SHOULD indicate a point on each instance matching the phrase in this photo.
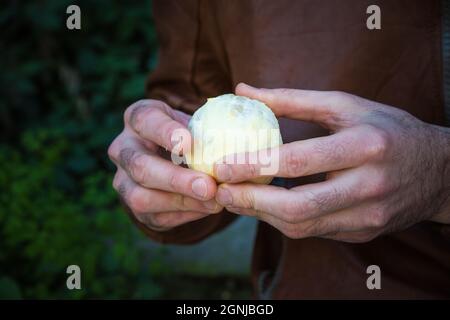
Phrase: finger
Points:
(329, 108)
(330, 225)
(260, 215)
(151, 171)
(291, 230)
(356, 224)
(181, 117)
(168, 220)
(155, 121)
(351, 226)
(370, 217)
(345, 149)
(301, 203)
(128, 139)
(143, 201)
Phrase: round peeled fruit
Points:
(227, 125)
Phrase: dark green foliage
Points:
(62, 95)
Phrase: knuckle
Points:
(378, 218)
(248, 200)
(325, 200)
(140, 120)
(337, 98)
(314, 202)
(125, 157)
(315, 227)
(335, 198)
(340, 97)
(293, 231)
(164, 221)
(281, 91)
(149, 219)
(138, 169)
(295, 163)
(142, 218)
(127, 114)
(174, 182)
(379, 143)
(139, 116)
(292, 211)
(167, 131)
(113, 149)
(242, 171)
(272, 95)
(180, 201)
(379, 186)
(132, 110)
(116, 182)
(251, 170)
(217, 209)
(157, 220)
(137, 202)
(291, 218)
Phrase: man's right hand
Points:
(160, 194)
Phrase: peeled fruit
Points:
(228, 125)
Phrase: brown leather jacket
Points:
(207, 47)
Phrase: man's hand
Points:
(386, 170)
(159, 193)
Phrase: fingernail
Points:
(224, 197)
(223, 172)
(199, 187)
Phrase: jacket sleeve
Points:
(192, 64)
(190, 69)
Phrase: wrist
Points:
(443, 213)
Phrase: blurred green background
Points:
(62, 94)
